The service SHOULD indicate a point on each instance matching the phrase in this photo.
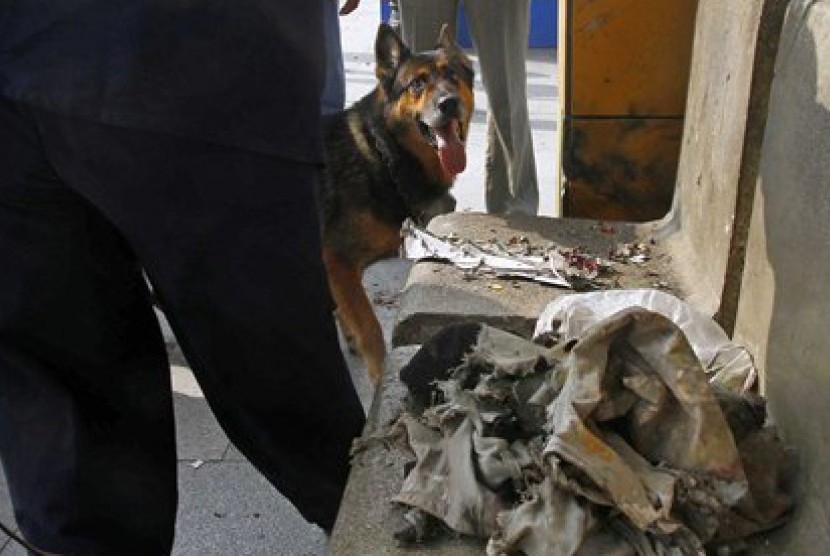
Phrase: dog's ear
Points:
(390, 53)
(446, 42)
(446, 38)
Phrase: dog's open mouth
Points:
(446, 139)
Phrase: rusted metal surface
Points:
(625, 69)
(630, 57)
(620, 169)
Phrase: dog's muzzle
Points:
(441, 126)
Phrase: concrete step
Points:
(437, 294)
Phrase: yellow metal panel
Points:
(620, 169)
(628, 57)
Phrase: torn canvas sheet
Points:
(617, 444)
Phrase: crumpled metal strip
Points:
(443, 482)
(420, 244)
(638, 454)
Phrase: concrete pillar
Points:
(784, 305)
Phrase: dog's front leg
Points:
(355, 312)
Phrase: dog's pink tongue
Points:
(450, 149)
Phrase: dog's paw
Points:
(351, 344)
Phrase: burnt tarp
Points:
(614, 443)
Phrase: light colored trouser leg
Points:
(421, 21)
(500, 30)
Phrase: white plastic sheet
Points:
(570, 316)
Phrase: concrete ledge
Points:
(437, 294)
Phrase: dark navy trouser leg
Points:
(230, 240)
(86, 422)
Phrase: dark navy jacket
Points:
(244, 73)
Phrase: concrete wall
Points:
(750, 226)
(729, 81)
(784, 307)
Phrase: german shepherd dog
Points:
(392, 155)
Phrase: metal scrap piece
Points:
(420, 244)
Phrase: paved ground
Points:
(225, 506)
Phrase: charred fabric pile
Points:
(621, 441)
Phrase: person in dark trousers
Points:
(181, 139)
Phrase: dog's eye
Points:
(417, 85)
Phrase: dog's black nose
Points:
(449, 105)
